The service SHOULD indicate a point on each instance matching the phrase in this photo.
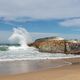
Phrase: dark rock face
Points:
(52, 45)
(72, 48)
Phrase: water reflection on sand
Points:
(17, 67)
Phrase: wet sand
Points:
(47, 72)
(25, 66)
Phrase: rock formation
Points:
(56, 45)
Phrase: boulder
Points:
(56, 45)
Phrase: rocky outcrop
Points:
(56, 45)
(52, 46)
(72, 48)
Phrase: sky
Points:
(41, 17)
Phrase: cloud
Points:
(39, 9)
(71, 23)
(4, 35)
(16, 19)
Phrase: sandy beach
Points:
(66, 72)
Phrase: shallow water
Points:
(21, 61)
(17, 67)
(29, 54)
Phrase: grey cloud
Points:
(71, 23)
(40, 9)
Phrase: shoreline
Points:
(30, 59)
(66, 72)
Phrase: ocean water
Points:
(23, 51)
(7, 54)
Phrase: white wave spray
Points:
(20, 36)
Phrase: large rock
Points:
(72, 48)
(56, 45)
(53, 46)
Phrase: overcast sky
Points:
(51, 17)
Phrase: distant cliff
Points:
(56, 45)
